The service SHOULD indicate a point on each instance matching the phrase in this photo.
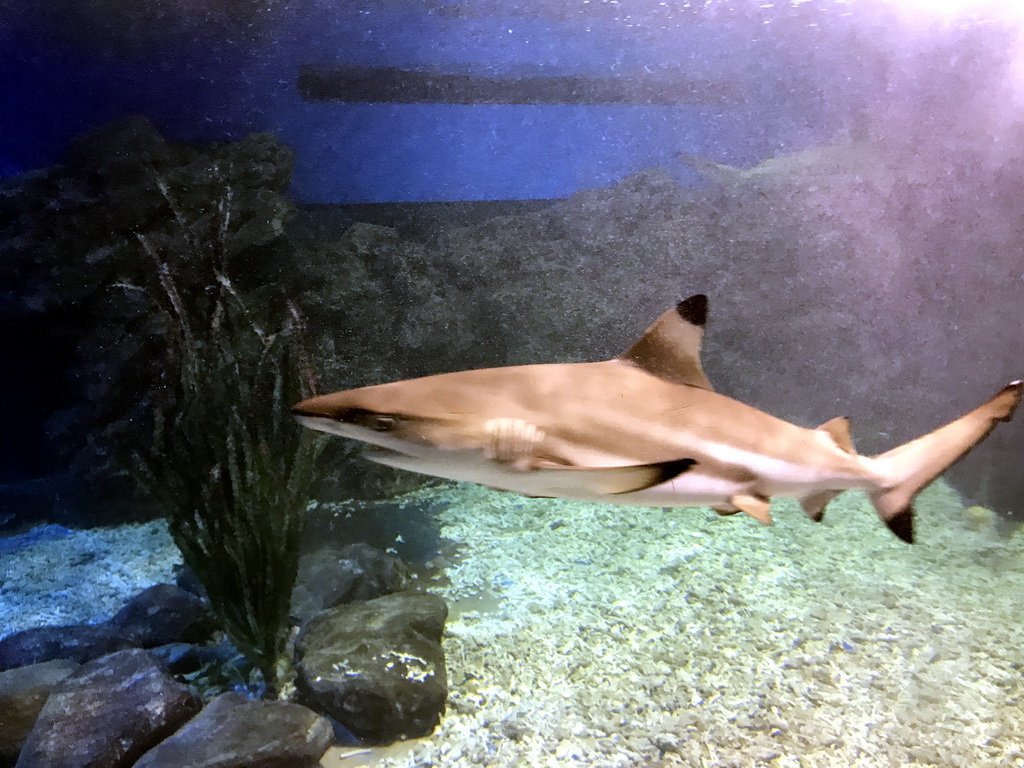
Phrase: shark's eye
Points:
(367, 419)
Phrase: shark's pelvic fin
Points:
(908, 468)
(755, 506)
(670, 348)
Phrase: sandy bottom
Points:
(603, 636)
(83, 577)
(586, 635)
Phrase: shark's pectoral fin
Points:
(642, 477)
(815, 505)
(513, 441)
(755, 506)
(616, 480)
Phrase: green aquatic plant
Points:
(230, 469)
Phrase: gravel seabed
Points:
(85, 577)
(588, 635)
(617, 636)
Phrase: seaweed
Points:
(230, 470)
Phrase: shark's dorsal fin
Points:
(670, 348)
(839, 430)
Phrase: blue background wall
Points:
(229, 69)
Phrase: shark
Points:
(645, 428)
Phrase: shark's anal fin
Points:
(670, 348)
(755, 506)
(839, 430)
(815, 505)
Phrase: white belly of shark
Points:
(644, 428)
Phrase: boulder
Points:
(235, 732)
(160, 615)
(23, 692)
(77, 642)
(377, 667)
(79, 277)
(331, 576)
(164, 614)
(108, 713)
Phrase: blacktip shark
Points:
(644, 428)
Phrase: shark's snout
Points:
(314, 413)
(341, 414)
(314, 407)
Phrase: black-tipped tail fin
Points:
(908, 468)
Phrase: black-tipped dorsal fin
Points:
(839, 430)
(670, 348)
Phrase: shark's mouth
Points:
(373, 452)
(383, 455)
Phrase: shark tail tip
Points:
(895, 508)
(908, 468)
(902, 525)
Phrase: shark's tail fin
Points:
(908, 468)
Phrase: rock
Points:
(108, 713)
(377, 667)
(23, 692)
(164, 614)
(236, 732)
(405, 527)
(73, 266)
(186, 659)
(211, 669)
(78, 642)
(160, 615)
(330, 577)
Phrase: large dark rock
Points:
(79, 642)
(23, 692)
(377, 667)
(330, 577)
(76, 272)
(108, 713)
(159, 615)
(235, 732)
(164, 614)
